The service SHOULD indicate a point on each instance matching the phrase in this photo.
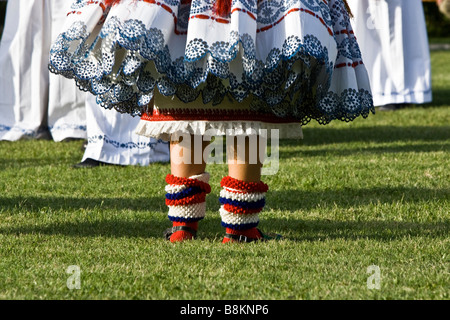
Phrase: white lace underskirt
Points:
(172, 118)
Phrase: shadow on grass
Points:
(440, 98)
(375, 134)
(295, 228)
(35, 204)
(285, 154)
(351, 197)
(291, 229)
(114, 228)
(320, 229)
(323, 229)
(101, 226)
(282, 200)
(432, 139)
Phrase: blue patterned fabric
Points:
(129, 60)
(123, 145)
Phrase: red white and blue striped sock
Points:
(186, 198)
(241, 203)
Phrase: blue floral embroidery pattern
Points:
(275, 86)
(125, 145)
(33, 133)
(25, 132)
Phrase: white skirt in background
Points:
(393, 40)
(31, 100)
(112, 138)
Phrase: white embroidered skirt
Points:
(112, 139)
(268, 64)
(31, 100)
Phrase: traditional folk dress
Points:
(186, 67)
(268, 64)
(32, 101)
(393, 39)
(112, 139)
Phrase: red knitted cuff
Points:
(171, 179)
(239, 210)
(233, 183)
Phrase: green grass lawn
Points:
(351, 195)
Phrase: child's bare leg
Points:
(245, 172)
(187, 188)
(178, 151)
(243, 194)
(244, 162)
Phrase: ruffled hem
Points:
(145, 48)
(167, 130)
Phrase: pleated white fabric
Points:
(280, 62)
(23, 77)
(32, 101)
(66, 109)
(394, 44)
(112, 138)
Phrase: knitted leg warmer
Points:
(186, 198)
(241, 203)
